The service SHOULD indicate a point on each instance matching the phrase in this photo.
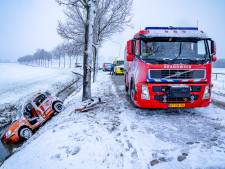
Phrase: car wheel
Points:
(25, 133)
(57, 106)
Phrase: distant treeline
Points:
(62, 53)
(220, 63)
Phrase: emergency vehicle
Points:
(169, 67)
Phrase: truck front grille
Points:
(177, 74)
(166, 88)
(171, 100)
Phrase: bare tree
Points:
(58, 52)
(111, 16)
(79, 26)
(72, 51)
(40, 57)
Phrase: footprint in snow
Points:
(57, 157)
(182, 157)
(134, 154)
(72, 151)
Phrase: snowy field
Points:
(18, 80)
(218, 70)
(118, 136)
(219, 84)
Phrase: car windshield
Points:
(108, 65)
(174, 51)
(18, 114)
(38, 100)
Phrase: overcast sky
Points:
(26, 25)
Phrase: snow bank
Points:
(18, 80)
(119, 136)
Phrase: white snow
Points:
(119, 136)
(18, 80)
(218, 84)
(176, 33)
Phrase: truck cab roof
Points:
(171, 32)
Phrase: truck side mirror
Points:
(213, 50)
(130, 51)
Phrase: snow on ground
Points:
(18, 80)
(218, 92)
(219, 83)
(118, 136)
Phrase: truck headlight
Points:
(145, 93)
(8, 134)
(206, 94)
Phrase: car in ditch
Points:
(30, 116)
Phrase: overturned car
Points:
(30, 116)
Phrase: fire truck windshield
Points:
(174, 51)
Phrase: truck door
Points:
(137, 54)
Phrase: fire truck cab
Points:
(169, 67)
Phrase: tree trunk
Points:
(86, 75)
(59, 61)
(76, 61)
(95, 53)
(70, 60)
(88, 53)
(64, 61)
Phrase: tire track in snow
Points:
(181, 128)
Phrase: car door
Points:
(40, 105)
(46, 105)
(31, 115)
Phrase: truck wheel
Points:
(57, 106)
(25, 133)
(126, 88)
(132, 92)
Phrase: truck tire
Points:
(126, 88)
(125, 83)
(25, 133)
(57, 106)
(132, 92)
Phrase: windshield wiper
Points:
(155, 60)
(178, 53)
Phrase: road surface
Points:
(192, 134)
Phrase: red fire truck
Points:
(169, 67)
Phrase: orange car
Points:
(30, 116)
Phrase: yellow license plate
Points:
(177, 105)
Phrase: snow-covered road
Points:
(118, 136)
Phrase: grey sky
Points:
(27, 25)
(210, 14)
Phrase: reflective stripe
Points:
(150, 80)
